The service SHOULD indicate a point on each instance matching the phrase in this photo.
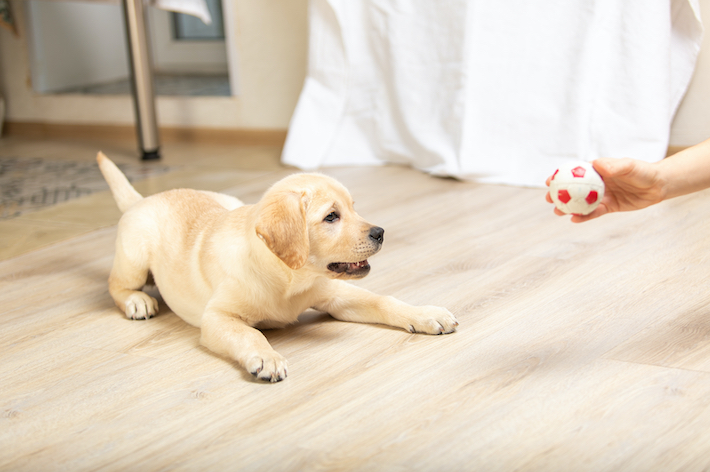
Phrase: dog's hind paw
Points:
(141, 306)
(271, 368)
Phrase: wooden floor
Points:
(580, 347)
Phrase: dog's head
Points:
(309, 219)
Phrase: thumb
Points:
(610, 167)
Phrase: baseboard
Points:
(239, 136)
(674, 149)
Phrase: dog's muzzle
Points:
(362, 268)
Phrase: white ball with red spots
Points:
(576, 188)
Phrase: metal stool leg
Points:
(142, 79)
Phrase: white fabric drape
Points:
(494, 91)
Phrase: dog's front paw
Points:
(141, 306)
(432, 320)
(270, 367)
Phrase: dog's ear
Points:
(281, 224)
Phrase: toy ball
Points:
(576, 188)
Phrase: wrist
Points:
(666, 181)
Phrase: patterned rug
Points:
(30, 184)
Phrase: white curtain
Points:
(498, 91)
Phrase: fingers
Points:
(601, 210)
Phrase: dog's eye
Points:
(332, 217)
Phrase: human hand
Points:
(629, 184)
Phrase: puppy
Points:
(230, 268)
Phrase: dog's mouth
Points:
(350, 268)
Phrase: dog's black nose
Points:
(377, 234)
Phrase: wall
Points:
(271, 42)
(692, 121)
(63, 57)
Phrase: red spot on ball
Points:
(592, 197)
(579, 171)
(553, 175)
(563, 196)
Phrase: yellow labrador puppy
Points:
(230, 268)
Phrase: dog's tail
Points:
(123, 192)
